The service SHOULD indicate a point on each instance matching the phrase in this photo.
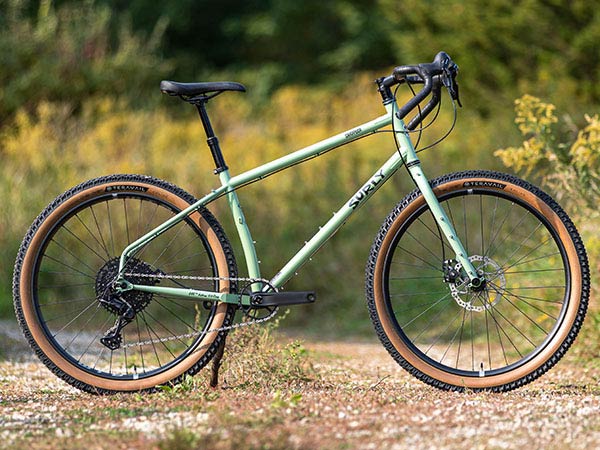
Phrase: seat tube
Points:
(414, 167)
(246, 240)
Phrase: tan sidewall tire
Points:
(37, 332)
(530, 366)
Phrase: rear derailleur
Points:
(113, 338)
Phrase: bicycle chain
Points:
(213, 330)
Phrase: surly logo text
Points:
(367, 188)
(491, 184)
(126, 187)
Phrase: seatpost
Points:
(211, 139)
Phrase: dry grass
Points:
(336, 395)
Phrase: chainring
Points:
(258, 312)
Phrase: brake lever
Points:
(449, 80)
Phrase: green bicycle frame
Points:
(406, 155)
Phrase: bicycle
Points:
(476, 279)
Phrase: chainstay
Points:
(212, 330)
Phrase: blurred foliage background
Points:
(79, 98)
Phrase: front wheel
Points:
(501, 336)
(69, 260)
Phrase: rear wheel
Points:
(513, 329)
(69, 259)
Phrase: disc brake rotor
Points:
(485, 299)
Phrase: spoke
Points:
(531, 260)
(436, 234)
(432, 320)
(417, 266)
(481, 222)
(84, 244)
(462, 326)
(513, 325)
(126, 229)
(194, 239)
(495, 235)
(439, 336)
(454, 336)
(419, 306)
(420, 259)
(537, 308)
(93, 236)
(415, 294)
(125, 355)
(175, 302)
(75, 300)
(68, 266)
(194, 270)
(112, 237)
(165, 328)
(151, 339)
(451, 215)
(487, 330)
(409, 278)
(466, 241)
(562, 286)
(522, 244)
(62, 286)
(62, 272)
(104, 246)
(149, 226)
(139, 220)
(501, 328)
(150, 329)
(176, 316)
(173, 239)
(173, 261)
(73, 319)
(511, 232)
(102, 349)
(534, 298)
(434, 304)
(94, 339)
(137, 325)
(80, 331)
(534, 271)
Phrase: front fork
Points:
(410, 158)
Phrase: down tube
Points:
(339, 218)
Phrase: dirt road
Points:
(352, 395)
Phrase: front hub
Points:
(480, 294)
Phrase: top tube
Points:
(311, 151)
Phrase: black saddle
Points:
(196, 89)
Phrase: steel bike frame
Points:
(406, 155)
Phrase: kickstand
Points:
(216, 364)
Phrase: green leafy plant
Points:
(254, 358)
(567, 163)
(282, 401)
(71, 52)
(570, 168)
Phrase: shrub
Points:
(69, 54)
(571, 168)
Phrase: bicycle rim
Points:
(517, 322)
(68, 265)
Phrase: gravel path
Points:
(356, 397)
